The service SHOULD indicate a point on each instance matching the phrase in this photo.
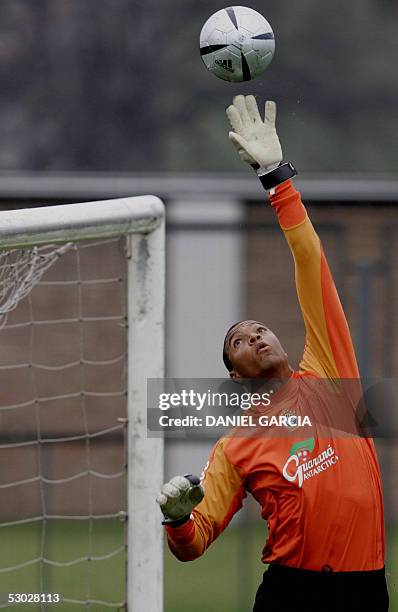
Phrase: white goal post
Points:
(141, 220)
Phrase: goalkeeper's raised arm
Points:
(328, 347)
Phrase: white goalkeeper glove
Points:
(179, 497)
(256, 140)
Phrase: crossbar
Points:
(72, 222)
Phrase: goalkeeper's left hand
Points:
(179, 497)
(256, 140)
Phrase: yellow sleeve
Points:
(328, 348)
(224, 493)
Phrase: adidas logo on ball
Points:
(224, 63)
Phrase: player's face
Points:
(255, 352)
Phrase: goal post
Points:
(140, 221)
(145, 560)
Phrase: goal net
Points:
(81, 330)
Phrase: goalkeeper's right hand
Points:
(179, 497)
(255, 138)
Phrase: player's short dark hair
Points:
(225, 357)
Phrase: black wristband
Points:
(178, 522)
(278, 175)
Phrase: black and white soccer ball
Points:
(237, 44)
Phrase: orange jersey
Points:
(321, 496)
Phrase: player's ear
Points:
(234, 374)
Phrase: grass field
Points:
(64, 541)
(225, 579)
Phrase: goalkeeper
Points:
(325, 546)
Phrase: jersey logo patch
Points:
(300, 466)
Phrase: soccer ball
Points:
(237, 44)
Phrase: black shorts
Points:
(286, 589)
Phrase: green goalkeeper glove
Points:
(179, 497)
(256, 140)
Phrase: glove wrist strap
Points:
(176, 523)
(271, 178)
